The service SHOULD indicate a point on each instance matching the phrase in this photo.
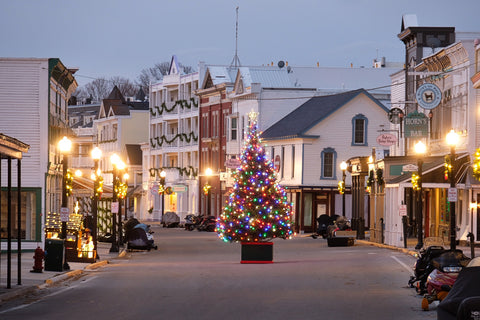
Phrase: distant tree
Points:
(98, 89)
(126, 87)
(156, 73)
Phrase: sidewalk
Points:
(31, 281)
(410, 249)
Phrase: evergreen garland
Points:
(184, 104)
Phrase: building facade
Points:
(34, 94)
(173, 148)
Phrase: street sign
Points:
(428, 96)
(276, 163)
(114, 207)
(154, 189)
(409, 168)
(452, 195)
(403, 209)
(64, 214)
(179, 188)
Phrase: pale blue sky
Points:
(122, 37)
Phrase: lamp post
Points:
(163, 174)
(452, 141)
(420, 150)
(65, 146)
(125, 178)
(208, 172)
(114, 160)
(96, 155)
(343, 167)
(120, 196)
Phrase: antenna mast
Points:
(236, 61)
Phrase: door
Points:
(321, 207)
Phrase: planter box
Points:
(257, 252)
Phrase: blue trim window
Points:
(359, 130)
(329, 158)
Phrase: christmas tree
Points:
(257, 209)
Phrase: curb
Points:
(48, 282)
(385, 246)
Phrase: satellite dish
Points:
(281, 64)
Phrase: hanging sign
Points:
(428, 96)
(154, 189)
(395, 115)
(386, 139)
(416, 125)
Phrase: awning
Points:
(137, 191)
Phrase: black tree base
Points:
(257, 252)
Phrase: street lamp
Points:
(452, 141)
(208, 172)
(163, 174)
(97, 189)
(343, 167)
(420, 148)
(114, 159)
(125, 178)
(65, 145)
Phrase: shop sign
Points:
(428, 96)
(416, 125)
(386, 139)
(409, 168)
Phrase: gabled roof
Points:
(174, 66)
(119, 110)
(116, 95)
(312, 112)
(134, 154)
(216, 75)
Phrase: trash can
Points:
(54, 251)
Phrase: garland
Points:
(183, 104)
(187, 137)
(380, 179)
(190, 171)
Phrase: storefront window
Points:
(28, 215)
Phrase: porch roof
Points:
(434, 172)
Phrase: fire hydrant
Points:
(38, 257)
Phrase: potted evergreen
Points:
(257, 210)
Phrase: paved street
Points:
(194, 275)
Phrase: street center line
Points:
(410, 270)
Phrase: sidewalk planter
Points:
(257, 252)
